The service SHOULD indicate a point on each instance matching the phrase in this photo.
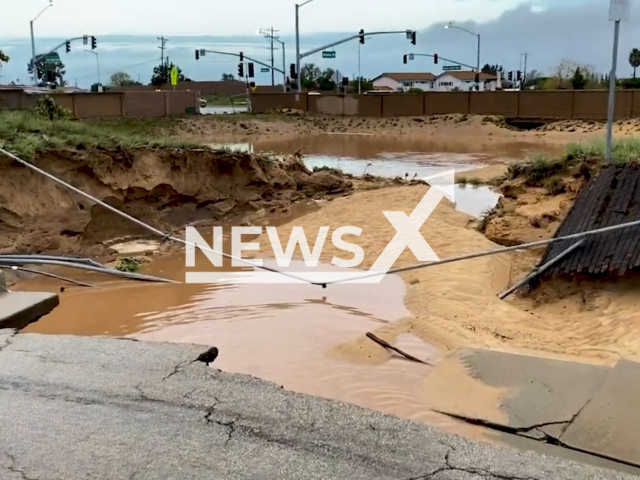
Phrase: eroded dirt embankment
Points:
(167, 188)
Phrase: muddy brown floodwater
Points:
(285, 333)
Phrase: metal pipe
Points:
(47, 274)
(539, 271)
(486, 253)
(85, 261)
(88, 268)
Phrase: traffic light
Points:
(197, 54)
(292, 72)
(414, 36)
(252, 72)
(68, 46)
(435, 58)
(94, 43)
(519, 76)
(241, 57)
(241, 70)
(362, 37)
(252, 84)
(404, 59)
(477, 78)
(510, 76)
(345, 81)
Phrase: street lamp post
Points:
(98, 63)
(299, 79)
(451, 25)
(33, 44)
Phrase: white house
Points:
(401, 82)
(464, 80)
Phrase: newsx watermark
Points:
(407, 236)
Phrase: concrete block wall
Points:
(557, 104)
(111, 104)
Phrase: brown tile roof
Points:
(409, 77)
(467, 75)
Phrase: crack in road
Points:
(207, 357)
(449, 467)
(14, 467)
(7, 342)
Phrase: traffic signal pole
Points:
(348, 39)
(63, 44)
(440, 58)
(245, 56)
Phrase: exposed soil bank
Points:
(470, 129)
(167, 188)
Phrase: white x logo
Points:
(408, 228)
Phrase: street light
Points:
(298, 7)
(98, 63)
(269, 34)
(33, 43)
(451, 25)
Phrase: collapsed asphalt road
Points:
(77, 408)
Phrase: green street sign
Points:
(450, 68)
(265, 70)
(50, 59)
(328, 54)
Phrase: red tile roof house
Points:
(428, 82)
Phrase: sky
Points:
(240, 17)
(550, 30)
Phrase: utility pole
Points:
(163, 44)
(298, 58)
(273, 73)
(619, 10)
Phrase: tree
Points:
(50, 70)
(491, 69)
(634, 60)
(326, 81)
(162, 74)
(309, 73)
(4, 58)
(365, 84)
(578, 81)
(122, 79)
(228, 77)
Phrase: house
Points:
(401, 82)
(464, 80)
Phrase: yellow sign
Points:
(174, 76)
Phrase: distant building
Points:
(401, 82)
(463, 80)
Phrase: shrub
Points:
(46, 107)
(555, 185)
(129, 265)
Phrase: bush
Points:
(46, 107)
(129, 265)
(555, 185)
(475, 181)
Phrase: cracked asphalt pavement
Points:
(80, 408)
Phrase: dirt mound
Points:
(167, 188)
